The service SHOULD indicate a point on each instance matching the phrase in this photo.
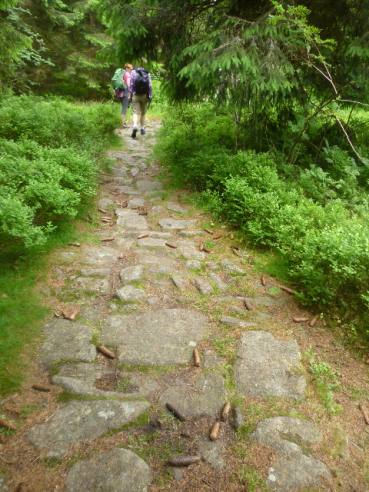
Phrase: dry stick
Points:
(297, 319)
(226, 411)
(365, 413)
(348, 139)
(196, 358)
(287, 289)
(171, 245)
(7, 424)
(214, 431)
(40, 387)
(105, 351)
(184, 460)
(142, 236)
(313, 321)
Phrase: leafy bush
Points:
(55, 122)
(305, 214)
(47, 164)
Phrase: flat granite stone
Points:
(127, 190)
(128, 293)
(293, 468)
(238, 323)
(205, 396)
(179, 282)
(152, 243)
(219, 283)
(131, 273)
(99, 256)
(82, 421)
(117, 470)
(203, 286)
(231, 267)
(67, 340)
(95, 272)
(175, 207)
(157, 263)
(144, 185)
(170, 224)
(130, 219)
(189, 250)
(136, 202)
(93, 285)
(163, 336)
(105, 203)
(212, 453)
(268, 367)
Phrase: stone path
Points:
(151, 294)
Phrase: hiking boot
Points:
(134, 133)
(143, 131)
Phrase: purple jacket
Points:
(132, 83)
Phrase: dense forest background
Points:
(268, 122)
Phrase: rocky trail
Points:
(171, 365)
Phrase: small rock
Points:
(203, 286)
(169, 224)
(128, 293)
(239, 323)
(174, 207)
(211, 452)
(189, 250)
(231, 267)
(237, 418)
(105, 203)
(179, 282)
(218, 281)
(193, 233)
(145, 185)
(193, 264)
(93, 285)
(178, 473)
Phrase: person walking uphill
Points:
(121, 83)
(140, 89)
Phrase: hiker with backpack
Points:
(121, 84)
(140, 90)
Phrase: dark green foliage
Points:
(46, 179)
(324, 243)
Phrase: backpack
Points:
(117, 81)
(141, 84)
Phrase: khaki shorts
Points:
(139, 104)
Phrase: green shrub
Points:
(55, 122)
(48, 164)
(315, 218)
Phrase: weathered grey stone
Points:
(210, 359)
(175, 207)
(144, 383)
(3, 486)
(268, 367)
(203, 286)
(178, 473)
(231, 267)
(130, 219)
(66, 340)
(131, 273)
(220, 285)
(128, 293)
(190, 251)
(152, 243)
(157, 209)
(95, 272)
(164, 336)
(237, 417)
(205, 396)
(99, 256)
(169, 224)
(136, 202)
(297, 472)
(134, 171)
(82, 421)
(193, 264)
(145, 185)
(68, 256)
(160, 234)
(118, 470)
(127, 190)
(157, 263)
(105, 203)
(239, 323)
(179, 282)
(211, 452)
(193, 233)
(93, 285)
(293, 468)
